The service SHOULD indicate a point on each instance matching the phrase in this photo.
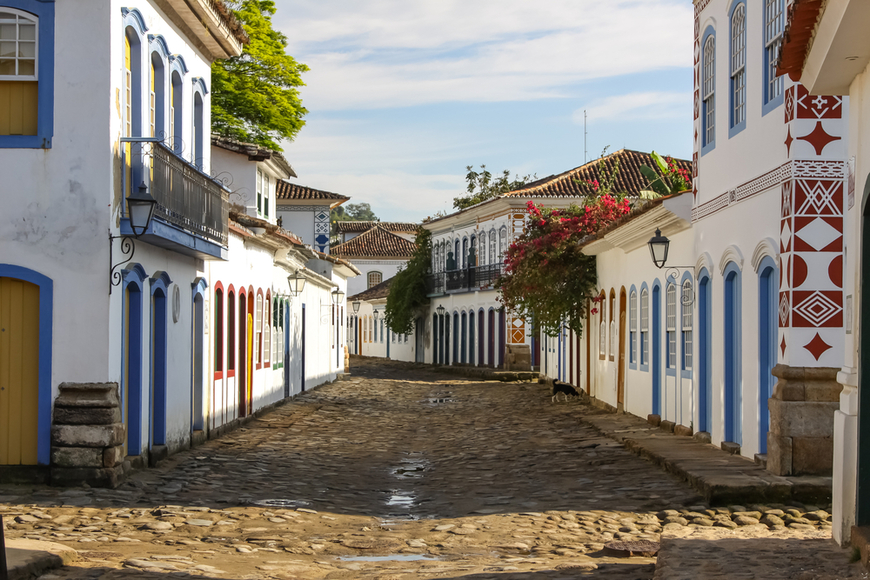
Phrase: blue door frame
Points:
(767, 338)
(656, 348)
(159, 350)
(731, 359)
(705, 377)
(133, 276)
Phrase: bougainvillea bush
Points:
(547, 278)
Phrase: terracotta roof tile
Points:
(287, 190)
(630, 180)
(375, 243)
(381, 290)
(803, 17)
(360, 227)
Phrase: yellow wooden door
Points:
(19, 371)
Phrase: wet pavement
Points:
(398, 472)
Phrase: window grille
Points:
(738, 65)
(774, 22)
(671, 322)
(644, 327)
(687, 324)
(709, 90)
(632, 324)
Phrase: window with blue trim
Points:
(738, 68)
(644, 327)
(709, 92)
(632, 325)
(774, 24)
(26, 73)
(687, 325)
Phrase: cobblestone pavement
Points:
(399, 473)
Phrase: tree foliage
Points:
(254, 95)
(668, 180)
(482, 186)
(547, 278)
(353, 212)
(408, 290)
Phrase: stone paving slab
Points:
(27, 559)
(752, 553)
(719, 477)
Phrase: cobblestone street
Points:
(398, 473)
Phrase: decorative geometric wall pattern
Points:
(321, 230)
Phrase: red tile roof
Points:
(375, 243)
(287, 190)
(381, 290)
(803, 16)
(360, 227)
(629, 180)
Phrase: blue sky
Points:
(404, 94)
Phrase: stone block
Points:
(779, 454)
(654, 420)
(198, 437)
(667, 426)
(156, 454)
(113, 456)
(86, 415)
(703, 437)
(518, 357)
(812, 455)
(87, 435)
(822, 392)
(802, 418)
(77, 457)
(730, 447)
(93, 476)
(88, 395)
(682, 431)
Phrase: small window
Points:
(267, 188)
(602, 331)
(502, 243)
(687, 302)
(709, 88)
(738, 66)
(632, 324)
(774, 23)
(671, 325)
(644, 327)
(258, 331)
(374, 278)
(492, 256)
(259, 192)
(613, 346)
(19, 87)
(267, 343)
(382, 331)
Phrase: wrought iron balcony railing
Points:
(466, 279)
(186, 197)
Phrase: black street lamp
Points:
(355, 304)
(658, 248)
(140, 209)
(337, 296)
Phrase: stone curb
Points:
(28, 559)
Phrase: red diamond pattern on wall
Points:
(785, 236)
(697, 104)
(786, 198)
(783, 310)
(817, 309)
(817, 106)
(817, 346)
(789, 105)
(788, 141)
(782, 346)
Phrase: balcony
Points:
(465, 280)
(191, 216)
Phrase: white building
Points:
(75, 141)
(378, 253)
(769, 177)
(827, 51)
(305, 212)
(368, 333)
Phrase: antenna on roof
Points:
(584, 137)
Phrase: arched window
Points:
(738, 66)
(708, 91)
(632, 325)
(687, 302)
(502, 243)
(671, 324)
(457, 257)
(464, 253)
(231, 332)
(774, 23)
(156, 97)
(644, 327)
(132, 100)
(267, 331)
(198, 137)
(374, 278)
(18, 65)
(602, 326)
(175, 112)
(492, 256)
(472, 256)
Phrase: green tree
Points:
(669, 180)
(482, 186)
(353, 212)
(254, 95)
(408, 290)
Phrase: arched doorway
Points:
(767, 339)
(242, 376)
(705, 373)
(656, 349)
(731, 359)
(502, 328)
(491, 337)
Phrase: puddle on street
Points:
(401, 499)
(391, 558)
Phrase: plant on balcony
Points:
(547, 278)
(482, 186)
(254, 96)
(408, 290)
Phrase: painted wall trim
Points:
(766, 248)
(732, 254)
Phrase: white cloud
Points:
(647, 105)
(389, 53)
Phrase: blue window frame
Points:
(733, 396)
(632, 328)
(643, 347)
(705, 341)
(774, 25)
(737, 94)
(671, 327)
(42, 11)
(687, 344)
(708, 91)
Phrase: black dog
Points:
(565, 389)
